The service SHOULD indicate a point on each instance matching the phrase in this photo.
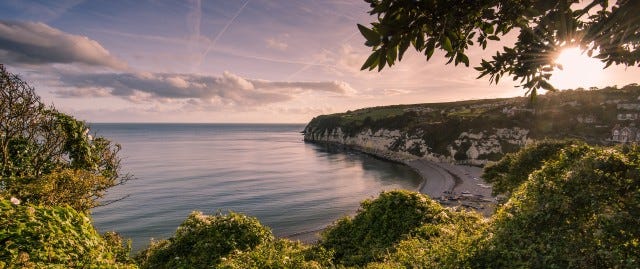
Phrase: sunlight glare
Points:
(579, 70)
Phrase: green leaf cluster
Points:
(581, 209)
(228, 241)
(514, 168)
(379, 225)
(279, 253)
(56, 237)
(48, 157)
(544, 28)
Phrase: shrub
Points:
(441, 245)
(379, 224)
(281, 253)
(59, 237)
(201, 241)
(64, 187)
(514, 168)
(580, 210)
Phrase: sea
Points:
(261, 170)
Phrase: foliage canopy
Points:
(56, 237)
(609, 32)
(48, 157)
(380, 224)
(581, 209)
(201, 241)
(514, 168)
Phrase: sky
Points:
(224, 61)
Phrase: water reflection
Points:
(265, 171)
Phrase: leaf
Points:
(464, 59)
(446, 44)
(418, 43)
(488, 28)
(471, 35)
(382, 60)
(370, 61)
(431, 47)
(404, 45)
(545, 85)
(392, 54)
(608, 64)
(371, 36)
(493, 37)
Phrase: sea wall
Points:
(470, 147)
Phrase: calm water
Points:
(265, 171)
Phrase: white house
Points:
(629, 134)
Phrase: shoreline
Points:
(455, 185)
(449, 184)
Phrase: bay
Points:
(262, 170)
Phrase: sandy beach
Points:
(455, 185)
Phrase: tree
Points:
(610, 33)
(48, 157)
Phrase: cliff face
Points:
(481, 131)
(469, 147)
(390, 144)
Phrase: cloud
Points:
(38, 43)
(392, 92)
(276, 44)
(227, 89)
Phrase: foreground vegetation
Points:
(567, 205)
(579, 208)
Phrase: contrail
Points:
(213, 42)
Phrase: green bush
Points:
(202, 241)
(55, 237)
(580, 210)
(64, 187)
(514, 168)
(379, 225)
(441, 245)
(281, 253)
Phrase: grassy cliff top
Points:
(559, 108)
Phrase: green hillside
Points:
(589, 115)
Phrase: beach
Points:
(455, 185)
(449, 184)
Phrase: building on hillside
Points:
(628, 111)
(627, 116)
(629, 134)
(590, 118)
(516, 110)
(628, 106)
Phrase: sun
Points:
(579, 70)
